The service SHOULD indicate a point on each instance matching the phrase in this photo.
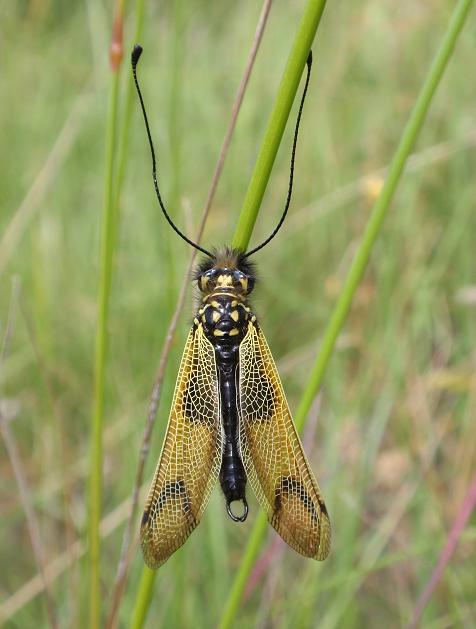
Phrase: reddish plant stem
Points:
(459, 524)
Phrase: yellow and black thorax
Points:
(225, 281)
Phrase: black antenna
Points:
(293, 155)
(135, 56)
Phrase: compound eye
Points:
(207, 282)
(241, 280)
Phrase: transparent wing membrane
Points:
(191, 455)
(272, 454)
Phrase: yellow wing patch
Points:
(272, 454)
(191, 455)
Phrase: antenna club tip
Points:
(309, 59)
(135, 55)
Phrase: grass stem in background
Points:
(467, 507)
(355, 274)
(108, 241)
(13, 233)
(30, 515)
(123, 153)
(19, 469)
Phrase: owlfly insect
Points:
(230, 420)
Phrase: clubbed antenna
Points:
(135, 56)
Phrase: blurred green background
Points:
(392, 439)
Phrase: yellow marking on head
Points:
(244, 284)
(216, 316)
(203, 283)
(234, 303)
(235, 315)
(224, 280)
(234, 332)
(218, 333)
(215, 304)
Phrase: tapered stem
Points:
(108, 241)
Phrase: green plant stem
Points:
(355, 274)
(407, 142)
(238, 586)
(123, 155)
(144, 596)
(108, 238)
(277, 121)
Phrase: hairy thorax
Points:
(224, 310)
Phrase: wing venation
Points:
(273, 456)
(191, 455)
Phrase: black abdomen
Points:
(232, 472)
(225, 322)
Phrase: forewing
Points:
(273, 456)
(191, 455)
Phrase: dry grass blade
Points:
(37, 584)
(383, 532)
(44, 180)
(17, 466)
(125, 557)
(55, 568)
(63, 472)
(32, 522)
(370, 183)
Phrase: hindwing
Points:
(273, 456)
(191, 455)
